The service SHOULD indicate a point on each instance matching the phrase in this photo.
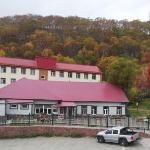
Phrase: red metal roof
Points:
(48, 63)
(77, 67)
(63, 91)
(19, 101)
(17, 62)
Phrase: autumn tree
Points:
(2, 53)
(120, 71)
(71, 47)
(148, 76)
(47, 52)
(42, 39)
(104, 63)
(89, 43)
(67, 59)
(85, 56)
(126, 46)
(28, 46)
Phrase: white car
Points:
(120, 135)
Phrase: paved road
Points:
(61, 143)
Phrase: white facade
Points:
(18, 110)
(113, 108)
(8, 76)
(74, 77)
(2, 107)
(49, 107)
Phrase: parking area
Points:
(62, 143)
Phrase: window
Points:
(41, 110)
(49, 110)
(61, 74)
(62, 110)
(23, 70)
(43, 77)
(119, 110)
(115, 131)
(94, 76)
(85, 76)
(93, 110)
(53, 73)
(13, 106)
(78, 75)
(3, 81)
(55, 111)
(3, 69)
(108, 132)
(24, 106)
(45, 111)
(37, 110)
(84, 110)
(13, 80)
(106, 110)
(32, 72)
(69, 74)
(13, 69)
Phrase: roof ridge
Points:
(51, 65)
(18, 58)
(77, 64)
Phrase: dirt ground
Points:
(62, 143)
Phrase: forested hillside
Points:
(102, 42)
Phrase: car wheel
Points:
(123, 142)
(100, 139)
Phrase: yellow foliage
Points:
(47, 52)
(2, 53)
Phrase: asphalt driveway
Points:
(62, 143)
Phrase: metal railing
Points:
(87, 121)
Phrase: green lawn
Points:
(143, 111)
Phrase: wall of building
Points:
(38, 73)
(43, 73)
(2, 107)
(18, 111)
(51, 104)
(100, 106)
(73, 79)
(8, 75)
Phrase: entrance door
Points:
(70, 111)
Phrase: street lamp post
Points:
(137, 105)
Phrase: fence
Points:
(89, 121)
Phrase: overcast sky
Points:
(110, 9)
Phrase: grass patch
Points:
(139, 113)
(143, 109)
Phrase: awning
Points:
(67, 104)
(16, 101)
